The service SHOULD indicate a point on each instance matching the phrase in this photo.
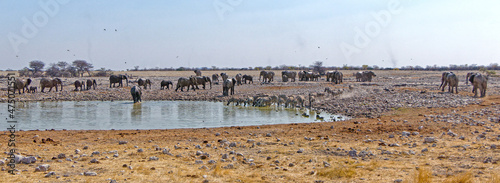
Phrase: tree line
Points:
(80, 67)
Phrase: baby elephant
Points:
(136, 93)
(32, 89)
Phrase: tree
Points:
(36, 65)
(318, 67)
(82, 66)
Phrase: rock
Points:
(115, 155)
(96, 153)
(398, 180)
(229, 166)
(415, 133)
(224, 156)
(250, 140)
(300, 150)
(90, 174)
(291, 165)
(430, 140)
(493, 146)
(211, 162)
(140, 150)
(425, 150)
(153, 158)
(94, 161)
(61, 156)
(391, 136)
(326, 164)
(121, 142)
(2, 162)
(203, 167)
(405, 134)
(28, 160)
(353, 153)
(268, 135)
(217, 134)
(198, 153)
(197, 147)
(198, 162)
(77, 151)
(239, 154)
(232, 144)
(50, 174)
(85, 147)
(42, 168)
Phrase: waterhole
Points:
(106, 115)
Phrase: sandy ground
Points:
(403, 130)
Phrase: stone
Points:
(430, 140)
(153, 158)
(50, 174)
(90, 174)
(300, 150)
(94, 161)
(121, 142)
(61, 156)
(42, 168)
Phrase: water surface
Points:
(106, 115)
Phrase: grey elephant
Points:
(224, 76)
(32, 89)
(359, 76)
(316, 77)
(215, 79)
(202, 80)
(228, 85)
(480, 82)
(452, 81)
(368, 75)
(468, 76)
(144, 82)
(306, 76)
(267, 76)
(443, 79)
(291, 75)
(113, 79)
(197, 72)
(79, 84)
(21, 84)
(338, 77)
(91, 84)
(182, 82)
(44, 82)
(247, 78)
(166, 83)
(238, 78)
(136, 93)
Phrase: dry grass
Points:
(466, 177)
(422, 175)
(339, 171)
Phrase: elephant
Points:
(198, 72)
(238, 79)
(166, 83)
(215, 78)
(136, 93)
(117, 79)
(316, 77)
(306, 76)
(284, 78)
(247, 78)
(468, 76)
(182, 82)
(144, 82)
(201, 80)
(480, 82)
(359, 76)
(266, 76)
(329, 75)
(224, 76)
(32, 89)
(228, 85)
(443, 79)
(367, 76)
(80, 85)
(21, 84)
(50, 83)
(290, 75)
(452, 81)
(338, 77)
(91, 84)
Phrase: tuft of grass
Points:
(460, 178)
(495, 178)
(423, 175)
(338, 171)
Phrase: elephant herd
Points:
(478, 81)
(363, 76)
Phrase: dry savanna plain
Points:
(401, 129)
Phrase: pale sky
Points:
(249, 33)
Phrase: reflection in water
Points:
(105, 115)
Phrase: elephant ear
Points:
(471, 79)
